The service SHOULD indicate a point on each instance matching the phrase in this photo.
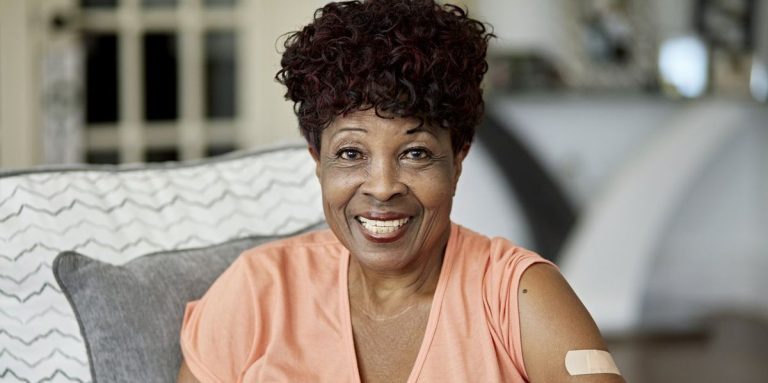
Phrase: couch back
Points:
(116, 214)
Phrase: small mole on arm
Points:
(525, 291)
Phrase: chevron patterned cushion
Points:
(116, 214)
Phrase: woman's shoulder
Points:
(313, 244)
(321, 237)
(497, 251)
(498, 263)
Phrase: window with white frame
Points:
(161, 78)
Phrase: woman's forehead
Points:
(368, 122)
(370, 116)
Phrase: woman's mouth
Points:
(383, 230)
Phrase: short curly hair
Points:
(402, 58)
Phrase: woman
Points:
(387, 94)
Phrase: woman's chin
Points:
(382, 250)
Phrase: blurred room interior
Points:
(624, 139)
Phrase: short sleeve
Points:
(218, 331)
(508, 263)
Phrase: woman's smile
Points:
(383, 230)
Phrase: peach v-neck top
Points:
(280, 313)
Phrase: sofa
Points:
(97, 262)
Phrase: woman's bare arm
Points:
(553, 321)
(185, 376)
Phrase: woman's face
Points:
(387, 188)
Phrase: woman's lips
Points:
(383, 230)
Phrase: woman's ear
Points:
(458, 160)
(313, 152)
(316, 157)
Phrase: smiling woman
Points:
(387, 94)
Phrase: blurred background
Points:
(624, 139)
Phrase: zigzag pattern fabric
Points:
(116, 215)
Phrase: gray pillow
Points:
(130, 315)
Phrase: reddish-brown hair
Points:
(403, 58)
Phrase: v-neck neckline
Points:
(434, 311)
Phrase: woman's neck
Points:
(387, 293)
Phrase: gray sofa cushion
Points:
(130, 315)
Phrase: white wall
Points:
(761, 28)
(267, 116)
(714, 254)
(487, 204)
(542, 24)
(581, 141)
(538, 26)
(19, 142)
(672, 18)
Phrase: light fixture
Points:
(684, 66)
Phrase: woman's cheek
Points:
(433, 189)
(339, 185)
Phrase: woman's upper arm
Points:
(553, 321)
(185, 375)
(218, 332)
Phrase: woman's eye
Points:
(349, 154)
(416, 154)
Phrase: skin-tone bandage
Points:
(585, 362)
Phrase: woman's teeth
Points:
(381, 227)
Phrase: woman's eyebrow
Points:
(349, 129)
(420, 129)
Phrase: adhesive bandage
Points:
(585, 362)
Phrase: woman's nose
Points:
(383, 181)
